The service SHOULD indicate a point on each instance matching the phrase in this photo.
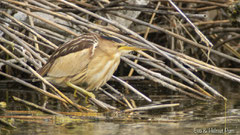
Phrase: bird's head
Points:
(121, 45)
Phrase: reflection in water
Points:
(121, 128)
(191, 117)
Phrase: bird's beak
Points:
(130, 48)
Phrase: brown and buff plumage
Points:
(87, 61)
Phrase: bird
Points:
(86, 62)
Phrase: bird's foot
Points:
(83, 91)
(91, 95)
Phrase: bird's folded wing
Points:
(71, 58)
(71, 64)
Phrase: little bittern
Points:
(85, 63)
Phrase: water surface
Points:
(191, 117)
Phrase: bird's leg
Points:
(75, 93)
(83, 91)
(86, 102)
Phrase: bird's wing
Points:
(71, 58)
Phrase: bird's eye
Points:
(120, 45)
